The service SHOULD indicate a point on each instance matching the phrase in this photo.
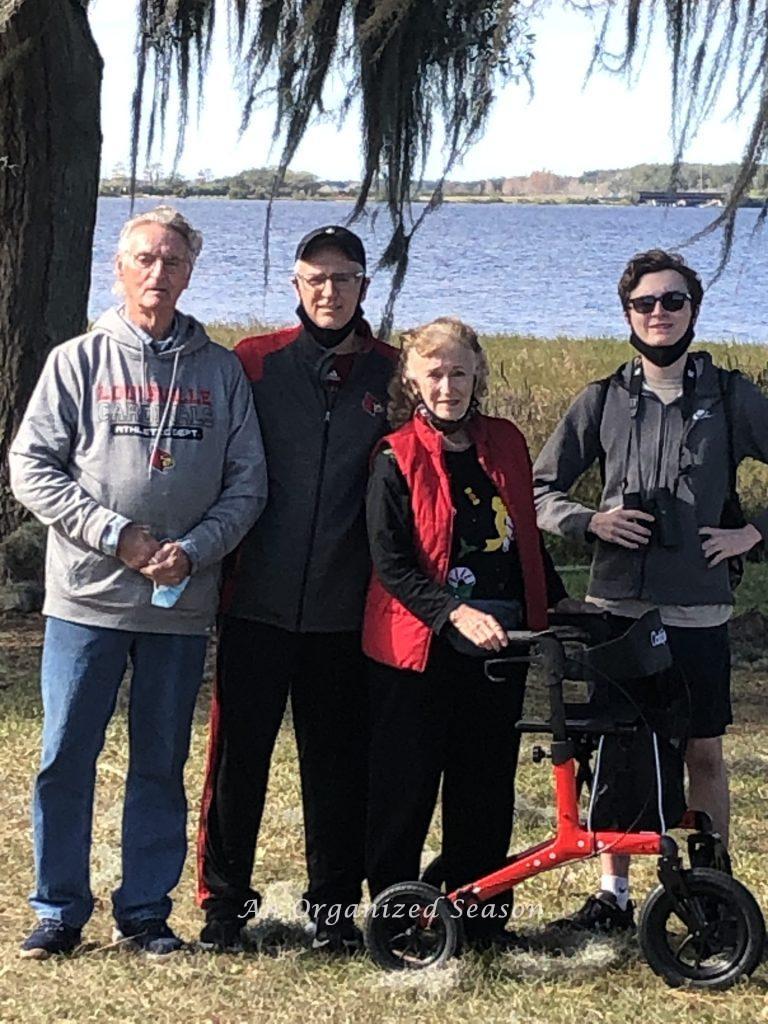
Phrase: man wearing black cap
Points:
(293, 600)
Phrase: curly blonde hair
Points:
(403, 397)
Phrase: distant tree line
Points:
(692, 177)
(612, 184)
(255, 183)
(598, 185)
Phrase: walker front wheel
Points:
(410, 926)
(712, 939)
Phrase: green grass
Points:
(604, 981)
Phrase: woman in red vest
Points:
(457, 560)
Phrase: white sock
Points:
(618, 886)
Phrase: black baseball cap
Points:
(339, 237)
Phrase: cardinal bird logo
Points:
(162, 461)
(372, 405)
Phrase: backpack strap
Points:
(725, 379)
(605, 383)
(732, 516)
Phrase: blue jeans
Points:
(81, 673)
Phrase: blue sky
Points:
(565, 127)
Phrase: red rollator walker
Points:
(699, 927)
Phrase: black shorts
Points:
(702, 665)
(700, 674)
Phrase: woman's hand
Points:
(720, 544)
(622, 526)
(479, 627)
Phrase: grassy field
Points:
(601, 981)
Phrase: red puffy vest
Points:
(392, 634)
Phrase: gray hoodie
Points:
(688, 455)
(117, 433)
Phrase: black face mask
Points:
(446, 427)
(663, 355)
(329, 337)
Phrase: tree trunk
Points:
(50, 144)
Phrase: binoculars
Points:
(662, 505)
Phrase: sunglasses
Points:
(673, 302)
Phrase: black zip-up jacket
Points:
(685, 451)
(305, 567)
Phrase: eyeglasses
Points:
(341, 281)
(146, 261)
(673, 302)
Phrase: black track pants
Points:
(258, 667)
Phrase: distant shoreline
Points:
(538, 200)
(685, 184)
(542, 200)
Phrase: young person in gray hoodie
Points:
(669, 429)
(141, 451)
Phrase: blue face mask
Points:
(164, 596)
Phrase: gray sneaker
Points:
(152, 937)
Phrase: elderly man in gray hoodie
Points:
(141, 452)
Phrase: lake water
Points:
(540, 270)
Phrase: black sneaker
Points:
(223, 935)
(49, 938)
(152, 937)
(342, 939)
(601, 913)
